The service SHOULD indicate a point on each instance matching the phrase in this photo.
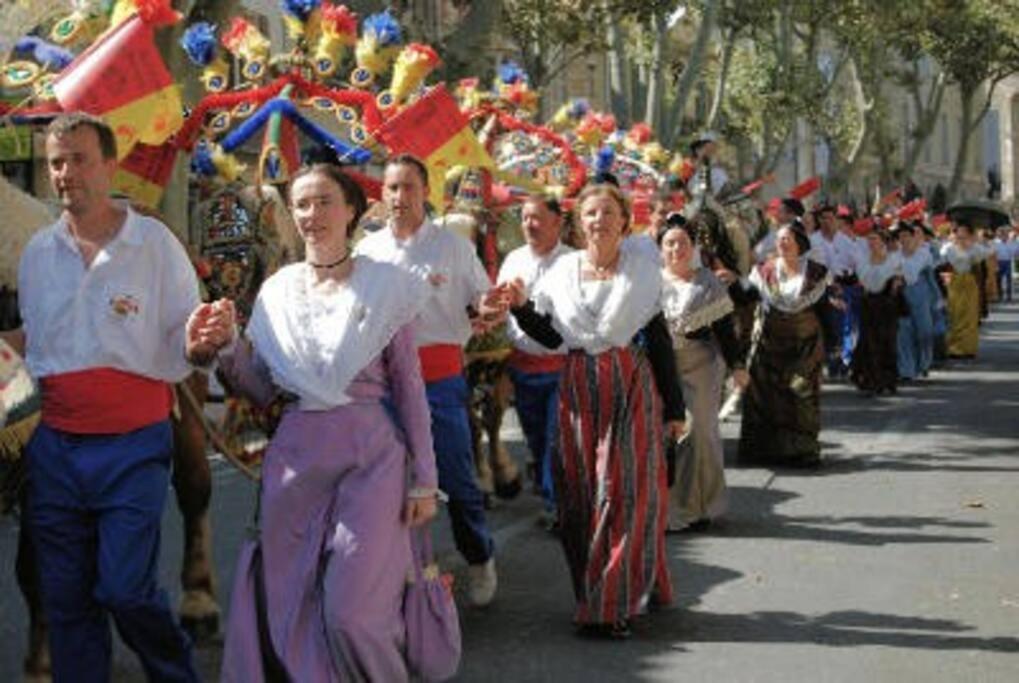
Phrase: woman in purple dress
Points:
(318, 591)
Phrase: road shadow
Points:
(754, 515)
(833, 629)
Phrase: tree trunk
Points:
(728, 48)
(927, 117)
(692, 70)
(652, 102)
(966, 95)
(619, 101)
(464, 50)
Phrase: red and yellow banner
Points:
(144, 173)
(122, 78)
(435, 130)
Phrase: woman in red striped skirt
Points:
(619, 399)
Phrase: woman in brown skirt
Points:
(782, 405)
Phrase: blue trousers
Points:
(1005, 279)
(850, 322)
(916, 331)
(95, 505)
(454, 456)
(536, 397)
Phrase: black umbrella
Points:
(979, 213)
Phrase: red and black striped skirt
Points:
(611, 484)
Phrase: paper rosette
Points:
(338, 31)
(411, 69)
(247, 43)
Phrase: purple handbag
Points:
(433, 625)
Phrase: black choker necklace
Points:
(330, 265)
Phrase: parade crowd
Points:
(625, 338)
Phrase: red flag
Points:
(144, 173)
(750, 188)
(122, 78)
(434, 129)
(806, 188)
(913, 210)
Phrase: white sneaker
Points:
(482, 582)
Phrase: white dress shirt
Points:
(126, 311)
(523, 263)
(448, 264)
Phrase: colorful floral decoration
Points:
(338, 31)
(302, 18)
(245, 42)
(410, 70)
(377, 48)
(199, 43)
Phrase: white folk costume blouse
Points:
(789, 292)
(523, 263)
(914, 264)
(963, 260)
(315, 344)
(691, 306)
(451, 272)
(632, 300)
(874, 277)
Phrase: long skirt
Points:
(319, 592)
(611, 485)
(916, 331)
(991, 279)
(782, 405)
(699, 491)
(963, 315)
(875, 363)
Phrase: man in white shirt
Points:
(104, 295)
(534, 369)
(449, 265)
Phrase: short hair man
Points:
(449, 265)
(104, 294)
(534, 369)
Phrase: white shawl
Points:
(315, 345)
(632, 302)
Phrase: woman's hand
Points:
(741, 378)
(675, 429)
(208, 329)
(418, 511)
(516, 291)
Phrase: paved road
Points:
(896, 562)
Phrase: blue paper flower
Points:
(511, 73)
(199, 42)
(300, 8)
(605, 158)
(201, 161)
(384, 27)
(579, 108)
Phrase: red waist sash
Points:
(440, 361)
(103, 401)
(532, 363)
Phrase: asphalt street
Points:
(897, 561)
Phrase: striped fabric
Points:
(611, 483)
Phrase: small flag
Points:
(914, 210)
(122, 78)
(144, 173)
(435, 130)
(806, 188)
